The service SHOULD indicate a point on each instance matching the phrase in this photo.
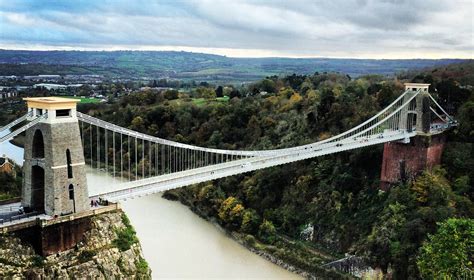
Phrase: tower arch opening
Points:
(37, 188)
(411, 122)
(38, 145)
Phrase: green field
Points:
(202, 101)
(84, 100)
(199, 101)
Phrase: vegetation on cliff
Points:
(448, 253)
(97, 256)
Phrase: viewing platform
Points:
(22, 221)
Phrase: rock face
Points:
(109, 250)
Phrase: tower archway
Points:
(411, 122)
(37, 188)
(38, 145)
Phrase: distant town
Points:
(87, 85)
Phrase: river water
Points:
(176, 242)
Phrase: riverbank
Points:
(109, 250)
(291, 255)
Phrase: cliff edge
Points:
(109, 250)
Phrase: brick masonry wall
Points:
(408, 160)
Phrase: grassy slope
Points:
(84, 100)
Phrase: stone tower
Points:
(402, 160)
(417, 115)
(54, 169)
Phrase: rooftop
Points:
(51, 100)
(51, 103)
(417, 84)
(4, 160)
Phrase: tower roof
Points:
(51, 102)
(417, 85)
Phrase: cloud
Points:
(343, 28)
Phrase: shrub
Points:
(250, 221)
(125, 237)
(86, 255)
(250, 240)
(38, 261)
(267, 232)
(142, 266)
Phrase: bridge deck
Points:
(43, 220)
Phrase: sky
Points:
(245, 28)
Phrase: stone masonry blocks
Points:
(57, 138)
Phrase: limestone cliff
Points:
(109, 250)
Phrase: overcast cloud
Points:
(332, 28)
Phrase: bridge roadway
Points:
(184, 178)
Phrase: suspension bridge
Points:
(146, 164)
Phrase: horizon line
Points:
(243, 57)
(234, 53)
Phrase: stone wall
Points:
(57, 138)
(97, 256)
(404, 161)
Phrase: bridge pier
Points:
(402, 162)
(55, 238)
(51, 236)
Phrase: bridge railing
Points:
(14, 133)
(15, 122)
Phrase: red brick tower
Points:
(404, 161)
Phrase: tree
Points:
(466, 121)
(384, 241)
(250, 221)
(235, 93)
(171, 94)
(385, 95)
(254, 128)
(219, 91)
(266, 85)
(138, 124)
(206, 93)
(231, 211)
(267, 232)
(448, 254)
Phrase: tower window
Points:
(63, 113)
(71, 191)
(69, 167)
